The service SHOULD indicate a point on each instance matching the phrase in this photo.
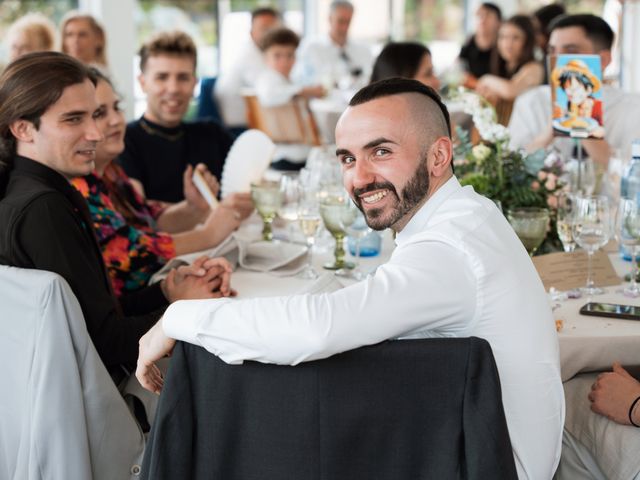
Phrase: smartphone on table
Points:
(625, 312)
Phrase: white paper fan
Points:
(247, 160)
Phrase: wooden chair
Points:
(289, 123)
(503, 111)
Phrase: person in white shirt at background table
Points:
(248, 65)
(458, 270)
(335, 58)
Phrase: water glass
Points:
(309, 222)
(564, 220)
(357, 229)
(530, 224)
(628, 235)
(591, 231)
(267, 198)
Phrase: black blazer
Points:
(46, 226)
(415, 409)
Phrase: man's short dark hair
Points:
(258, 12)
(493, 8)
(596, 29)
(548, 13)
(279, 36)
(397, 86)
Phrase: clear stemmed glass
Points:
(267, 198)
(628, 235)
(530, 224)
(356, 229)
(291, 193)
(309, 221)
(337, 215)
(591, 231)
(564, 220)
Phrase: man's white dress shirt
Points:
(458, 270)
(243, 73)
(274, 89)
(531, 116)
(320, 59)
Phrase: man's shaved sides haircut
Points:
(431, 112)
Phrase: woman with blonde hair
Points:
(31, 33)
(83, 38)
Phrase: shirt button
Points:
(135, 470)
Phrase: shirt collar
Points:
(418, 222)
(43, 172)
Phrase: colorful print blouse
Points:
(132, 248)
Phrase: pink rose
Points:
(550, 184)
(542, 175)
(552, 201)
(535, 186)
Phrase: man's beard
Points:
(412, 194)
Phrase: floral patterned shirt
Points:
(132, 248)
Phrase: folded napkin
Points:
(246, 162)
(245, 249)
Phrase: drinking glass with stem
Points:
(591, 231)
(356, 229)
(291, 191)
(564, 220)
(530, 224)
(628, 236)
(337, 215)
(309, 221)
(267, 198)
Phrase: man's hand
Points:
(153, 346)
(191, 193)
(612, 393)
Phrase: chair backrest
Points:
(292, 122)
(401, 409)
(207, 107)
(61, 415)
(503, 111)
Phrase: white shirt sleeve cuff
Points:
(183, 319)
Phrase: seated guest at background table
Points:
(541, 19)
(406, 60)
(159, 146)
(515, 70)
(247, 66)
(530, 124)
(32, 33)
(476, 54)
(274, 88)
(334, 58)
(128, 228)
(48, 136)
(616, 396)
(83, 38)
(453, 273)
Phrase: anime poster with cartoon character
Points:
(576, 91)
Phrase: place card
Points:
(566, 271)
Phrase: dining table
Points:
(587, 343)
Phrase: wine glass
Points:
(628, 235)
(591, 230)
(564, 220)
(530, 224)
(291, 193)
(356, 229)
(309, 221)
(267, 198)
(337, 215)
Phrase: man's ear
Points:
(441, 156)
(605, 58)
(23, 130)
(142, 81)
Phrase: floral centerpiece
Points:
(500, 173)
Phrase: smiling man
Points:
(159, 146)
(458, 270)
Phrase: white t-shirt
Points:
(274, 89)
(532, 115)
(243, 73)
(321, 59)
(458, 270)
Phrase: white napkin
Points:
(246, 162)
(275, 258)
